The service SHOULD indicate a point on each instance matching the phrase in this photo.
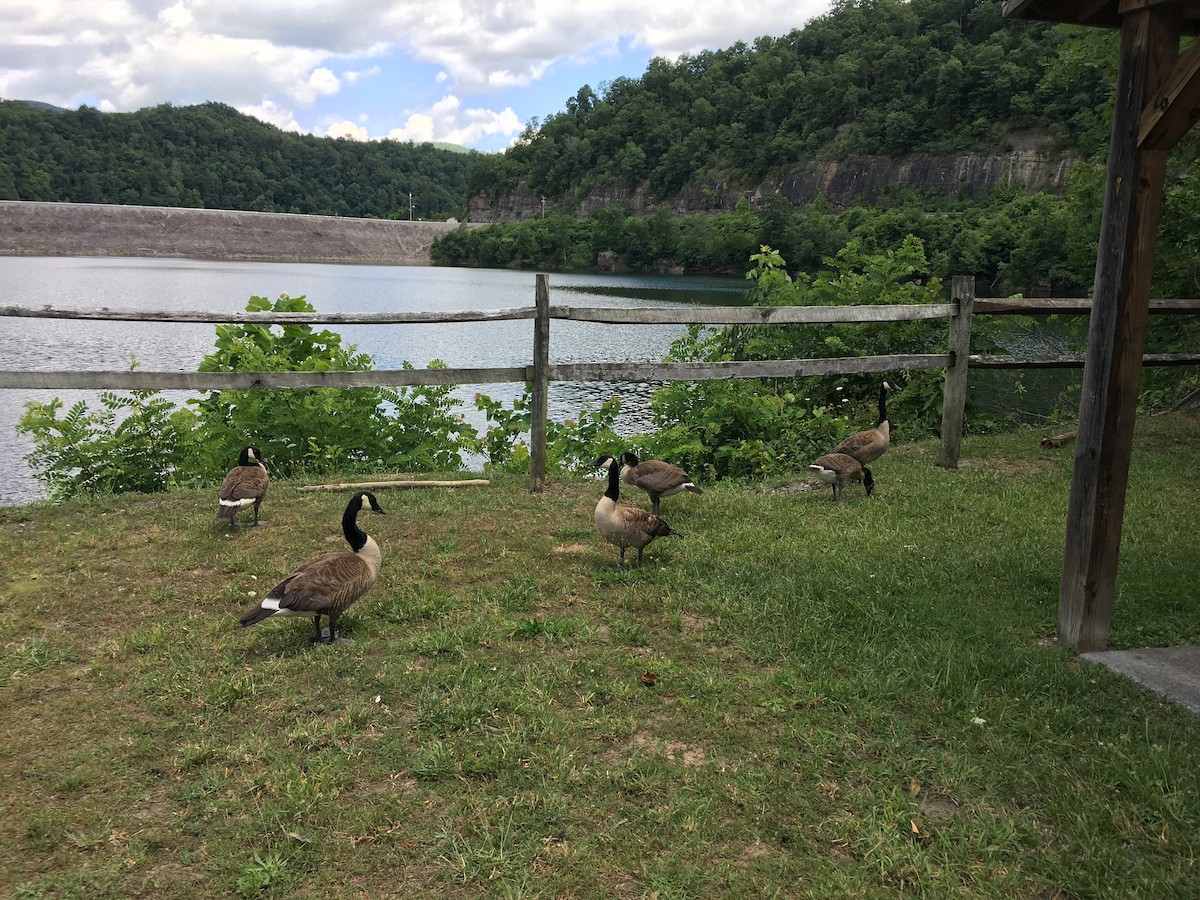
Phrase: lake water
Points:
(55, 344)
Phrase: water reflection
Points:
(49, 344)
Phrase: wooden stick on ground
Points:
(1059, 439)
(372, 485)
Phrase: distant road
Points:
(94, 229)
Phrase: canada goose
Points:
(328, 584)
(657, 478)
(838, 469)
(622, 524)
(867, 446)
(244, 485)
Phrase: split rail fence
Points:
(957, 360)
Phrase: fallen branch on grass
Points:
(1059, 439)
(373, 485)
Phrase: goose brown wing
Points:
(859, 444)
(327, 582)
(648, 523)
(244, 483)
(656, 475)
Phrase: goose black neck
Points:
(882, 404)
(614, 481)
(355, 536)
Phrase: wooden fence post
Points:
(541, 385)
(954, 400)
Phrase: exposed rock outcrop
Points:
(856, 179)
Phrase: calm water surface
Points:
(52, 344)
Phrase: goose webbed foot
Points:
(331, 638)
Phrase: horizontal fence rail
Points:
(540, 372)
(968, 305)
(268, 318)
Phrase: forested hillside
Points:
(688, 168)
(213, 157)
(874, 77)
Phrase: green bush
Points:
(751, 428)
(137, 442)
(571, 445)
(320, 430)
(142, 442)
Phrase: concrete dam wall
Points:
(87, 229)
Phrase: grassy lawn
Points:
(849, 701)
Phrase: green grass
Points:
(850, 701)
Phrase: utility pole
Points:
(410, 206)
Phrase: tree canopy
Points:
(887, 77)
(211, 156)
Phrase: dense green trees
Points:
(1016, 242)
(888, 77)
(210, 156)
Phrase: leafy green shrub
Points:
(750, 428)
(134, 442)
(571, 445)
(320, 429)
(143, 442)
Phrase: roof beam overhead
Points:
(1176, 108)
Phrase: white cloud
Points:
(281, 55)
(446, 121)
(322, 82)
(270, 112)
(347, 130)
(355, 77)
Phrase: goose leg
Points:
(334, 637)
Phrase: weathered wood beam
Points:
(1024, 306)
(1077, 12)
(767, 368)
(954, 396)
(753, 315)
(539, 401)
(138, 380)
(1074, 361)
(704, 315)
(1116, 336)
(1176, 108)
(266, 318)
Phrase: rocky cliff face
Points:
(856, 179)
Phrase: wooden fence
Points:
(957, 360)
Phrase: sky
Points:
(469, 72)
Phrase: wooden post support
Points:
(1116, 335)
(954, 400)
(541, 386)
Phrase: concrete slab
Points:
(1173, 672)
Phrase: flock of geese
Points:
(328, 584)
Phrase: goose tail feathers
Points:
(256, 615)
